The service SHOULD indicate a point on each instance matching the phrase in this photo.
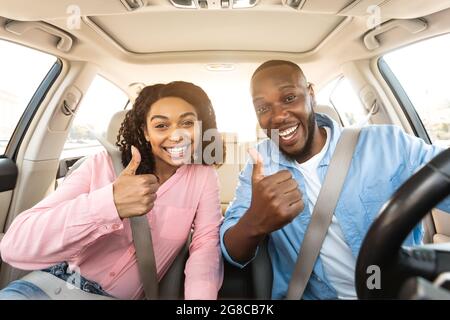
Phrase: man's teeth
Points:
(288, 133)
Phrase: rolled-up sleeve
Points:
(63, 224)
(204, 268)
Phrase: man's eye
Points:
(262, 109)
(290, 98)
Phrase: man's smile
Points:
(288, 135)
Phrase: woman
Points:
(84, 225)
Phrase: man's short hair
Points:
(275, 63)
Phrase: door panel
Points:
(5, 200)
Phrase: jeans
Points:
(62, 271)
(22, 290)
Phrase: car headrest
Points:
(114, 126)
(329, 111)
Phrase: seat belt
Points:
(323, 212)
(145, 256)
(142, 237)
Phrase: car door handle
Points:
(412, 25)
(20, 27)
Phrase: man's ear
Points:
(311, 92)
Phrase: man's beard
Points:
(305, 152)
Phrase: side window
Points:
(101, 101)
(423, 71)
(21, 72)
(340, 94)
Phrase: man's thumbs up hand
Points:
(276, 199)
(258, 165)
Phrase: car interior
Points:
(70, 70)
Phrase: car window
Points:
(22, 70)
(340, 94)
(102, 100)
(423, 70)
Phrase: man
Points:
(275, 196)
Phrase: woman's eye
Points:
(160, 126)
(188, 123)
(290, 98)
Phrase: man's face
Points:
(283, 103)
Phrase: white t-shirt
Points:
(336, 255)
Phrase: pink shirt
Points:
(79, 223)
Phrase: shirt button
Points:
(115, 226)
(112, 274)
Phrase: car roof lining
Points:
(343, 44)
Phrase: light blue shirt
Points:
(384, 158)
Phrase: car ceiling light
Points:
(239, 4)
(218, 67)
(214, 4)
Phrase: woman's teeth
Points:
(288, 133)
(177, 152)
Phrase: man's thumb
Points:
(134, 163)
(258, 165)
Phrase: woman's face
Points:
(171, 130)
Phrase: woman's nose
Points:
(176, 136)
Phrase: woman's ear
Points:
(145, 131)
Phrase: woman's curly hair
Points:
(131, 131)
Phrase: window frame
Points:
(403, 100)
(14, 143)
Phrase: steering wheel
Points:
(382, 246)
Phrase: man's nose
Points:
(279, 115)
